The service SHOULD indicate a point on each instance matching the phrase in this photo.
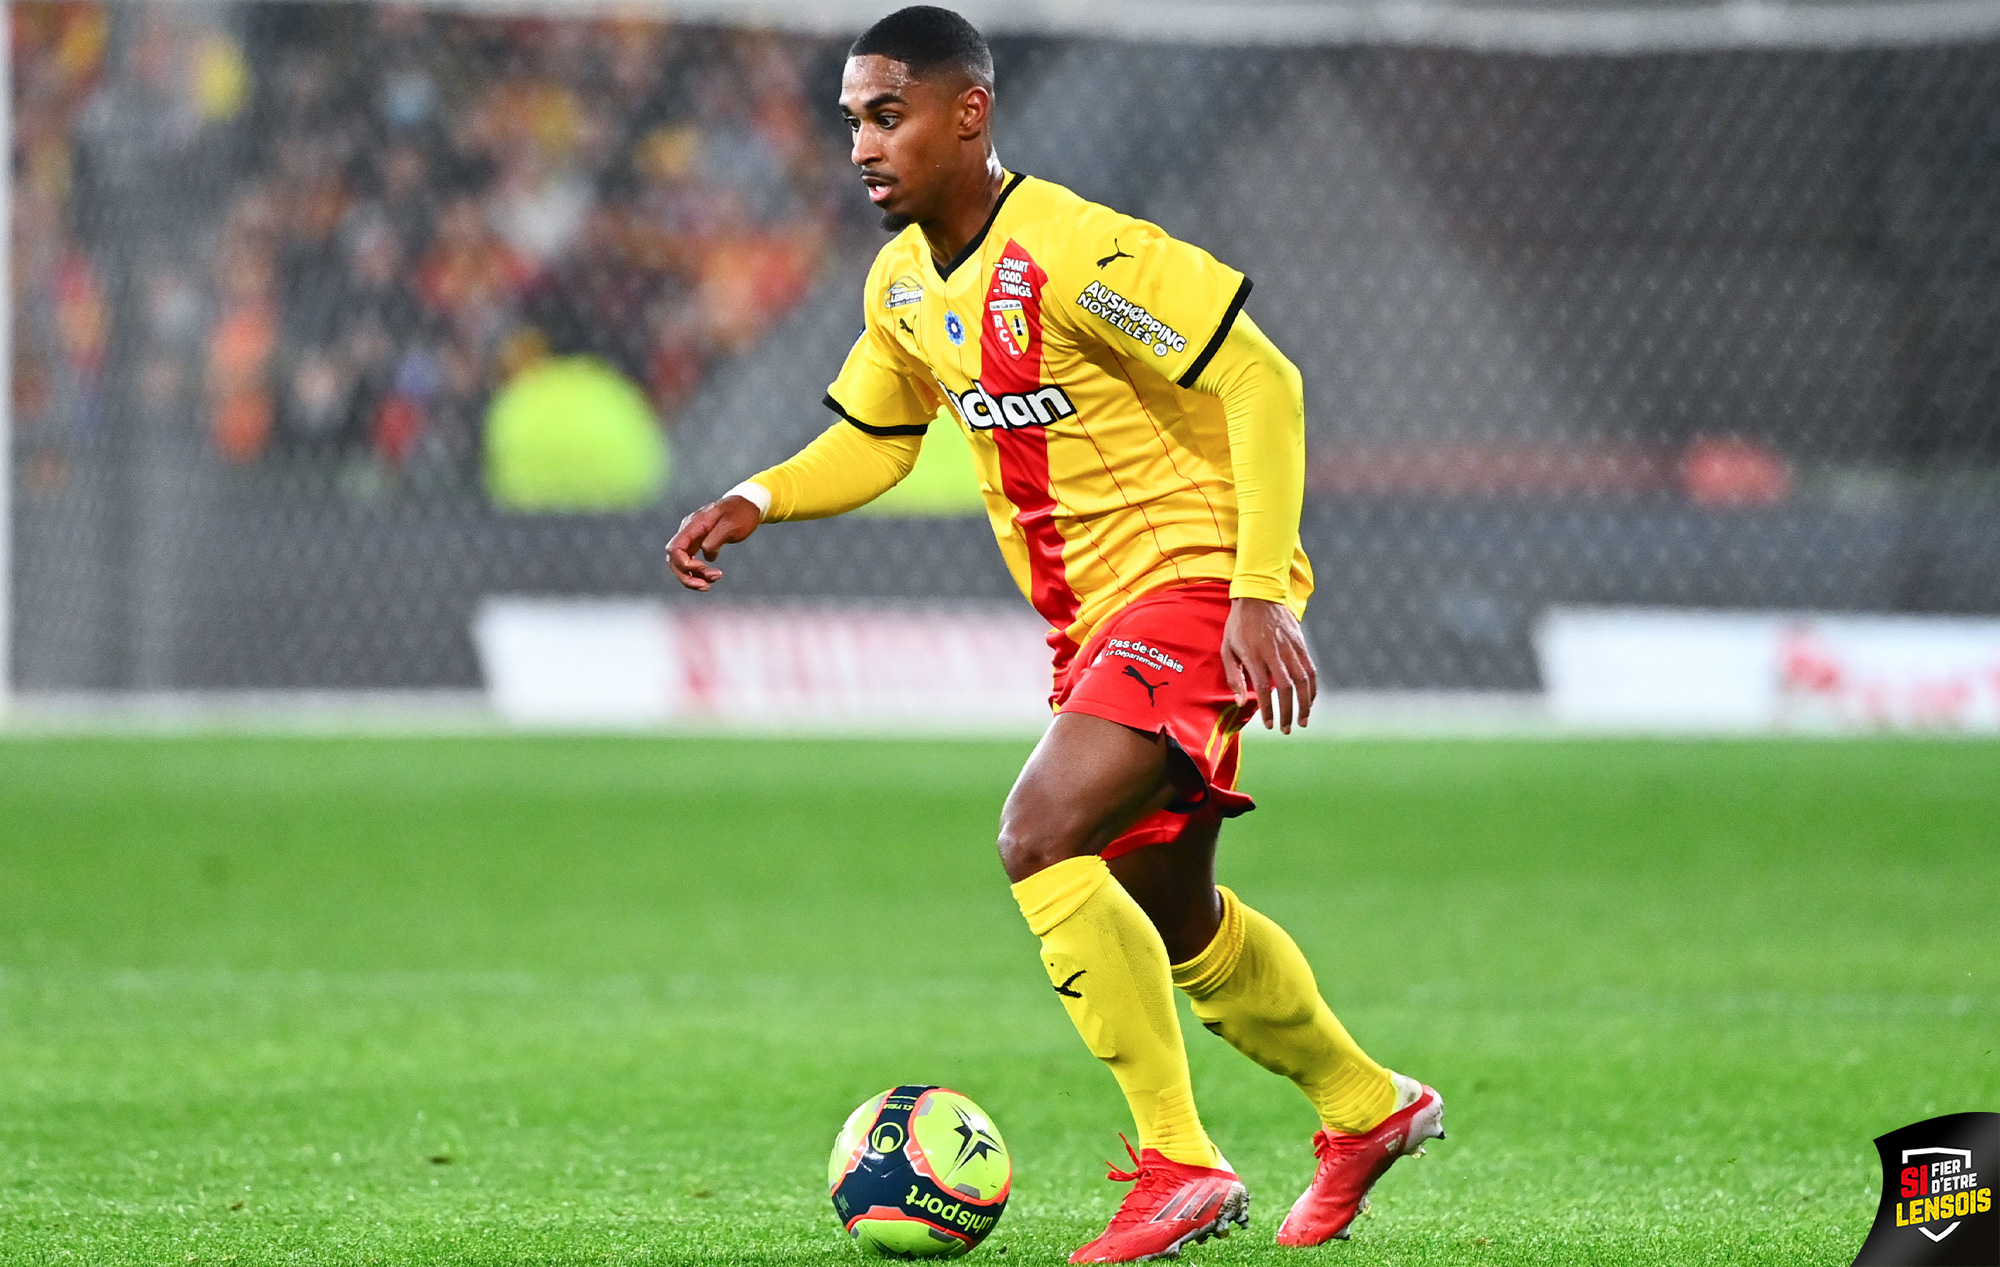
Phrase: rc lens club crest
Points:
(1010, 321)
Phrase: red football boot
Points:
(1349, 1165)
(1170, 1205)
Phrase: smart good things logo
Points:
(1937, 1195)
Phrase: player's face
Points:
(907, 135)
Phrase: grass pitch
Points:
(511, 1001)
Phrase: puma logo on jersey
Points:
(1117, 253)
(983, 410)
(1064, 988)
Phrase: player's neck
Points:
(966, 211)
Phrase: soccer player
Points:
(1141, 447)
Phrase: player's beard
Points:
(897, 221)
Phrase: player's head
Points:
(918, 94)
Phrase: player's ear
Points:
(975, 107)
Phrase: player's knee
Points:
(1028, 846)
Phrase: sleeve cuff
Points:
(1207, 354)
(871, 428)
(1260, 587)
(754, 493)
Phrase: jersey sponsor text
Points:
(1123, 315)
(984, 410)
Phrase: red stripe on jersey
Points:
(1010, 360)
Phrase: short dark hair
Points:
(926, 39)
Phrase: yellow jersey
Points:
(1066, 339)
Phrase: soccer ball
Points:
(919, 1172)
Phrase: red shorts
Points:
(1156, 666)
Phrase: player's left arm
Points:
(1171, 309)
(1263, 398)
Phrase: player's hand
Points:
(702, 536)
(1264, 654)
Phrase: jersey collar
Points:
(945, 270)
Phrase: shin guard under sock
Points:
(1108, 964)
(1253, 986)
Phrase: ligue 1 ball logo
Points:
(1937, 1195)
(919, 1172)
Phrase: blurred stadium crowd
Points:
(386, 212)
(1703, 327)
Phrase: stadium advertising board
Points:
(1653, 669)
(580, 662)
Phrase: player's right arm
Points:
(883, 412)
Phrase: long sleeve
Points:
(1263, 399)
(843, 468)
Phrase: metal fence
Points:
(1712, 327)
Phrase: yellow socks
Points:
(1254, 987)
(1107, 962)
(1251, 985)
